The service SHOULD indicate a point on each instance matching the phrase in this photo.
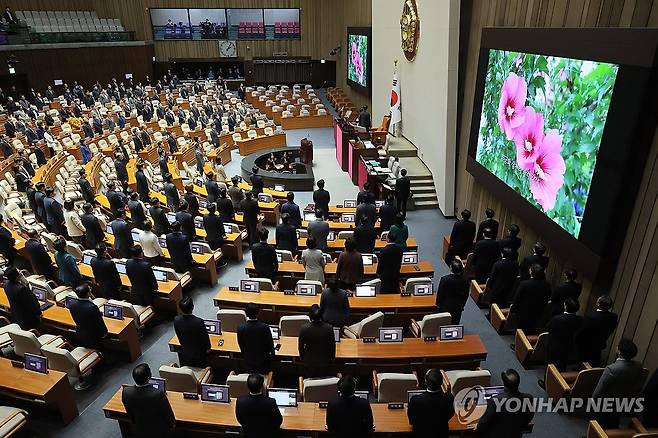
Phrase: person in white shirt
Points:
(219, 170)
(150, 244)
(74, 226)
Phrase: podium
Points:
(306, 151)
(343, 132)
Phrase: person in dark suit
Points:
(95, 232)
(250, 211)
(159, 217)
(54, 212)
(116, 199)
(387, 214)
(214, 227)
(200, 159)
(42, 264)
(504, 422)
(31, 192)
(334, 305)
(39, 197)
(120, 164)
(316, 344)
(365, 195)
(503, 278)
(365, 236)
(9, 16)
(88, 194)
(141, 276)
(485, 254)
(256, 180)
(264, 257)
(292, 210)
(365, 210)
(163, 161)
(255, 341)
(186, 221)
(7, 243)
(89, 324)
(192, 334)
(321, 198)
(192, 200)
(597, 328)
(137, 211)
(452, 293)
(147, 407)
(402, 191)
(569, 289)
(212, 188)
(430, 412)
(349, 270)
(21, 177)
(388, 267)
(225, 207)
(179, 249)
(537, 257)
(461, 237)
(106, 273)
(286, 234)
(142, 182)
(364, 119)
(349, 415)
(257, 413)
(490, 223)
(123, 239)
(561, 331)
(621, 379)
(650, 395)
(24, 306)
(531, 299)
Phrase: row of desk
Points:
(424, 268)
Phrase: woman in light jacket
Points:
(313, 262)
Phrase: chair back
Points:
(586, 382)
(431, 324)
(465, 379)
(377, 282)
(237, 384)
(318, 285)
(412, 282)
(344, 235)
(24, 342)
(231, 319)
(370, 325)
(317, 390)
(266, 197)
(264, 283)
(393, 387)
(178, 379)
(60, 359)
(540, 353)
(290, 325)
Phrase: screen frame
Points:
(367, 31)
(596, 250)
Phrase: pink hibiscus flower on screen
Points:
(511, 108)
(355, 50)
(528, 138)
(547, 174)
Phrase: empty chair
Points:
(27, 342)
(367, 327)
(344, 235)
(574, 384)
(140, 314)
(290, 325)
(252, 133)
(76, 363)
(393, 387)
(430, 324)
(304, 113)
(269, 131)
(231, 319)
(5, 339)
(260, 123)
(317, 390)
(456, 380)
(237, 137)
(286, 255)
(377, 282)
(531, 349)
(322, 112)
(11, 420)
(237, 383)
(264, 283)
(412, 282)
(184, 379)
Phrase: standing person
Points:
(511, 240)
(171, 193)
(178, 245)
(123, 239)
(321, 198)
(141, 276)
(212, 223)
(117, 200)
(452, 293)
(490, 223)
(347, 414)
(120, 166)
(292, 210)
(94, 229)
(334, 305)
(402, 191)
(461, 237)
(225, 207)
(137, 211)
(485, 254)
(531, 299)
(255, 342)
(365, 196)
(313, 261)
(74, 227)
(106, 273)
(365, 236)
(537, 257)
(90, 327)
(597, 328)
(236, 194)
(365, 209)
(349, 271)
(257, 183)
(200, 159)
(364, 119)
(569, 289)
(39, 197)
(318, 229)
(159, 217)
(69, 274)
(388, 267)
(7, 243)
(142, 182)
(264, 257)
(250, 212)
(316, 345)
(192, 200)
(387, 214)
(503, 277)
(219, 170)
(87, 191)
(24, 307)
(150, 244)
(192, 335)
(147, 408)
(286, 235)
(186, 221)
(42, 264)
(257, 413)
(401, 231)
(54, 213)
(561, 331)
(212, 189)
(430, 412)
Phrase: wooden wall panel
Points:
(635, 287)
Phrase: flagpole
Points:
(396, 126)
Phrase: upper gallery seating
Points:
(68, 21)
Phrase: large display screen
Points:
(359, 58)
(541, 127)
(208, 24)
(171, 24)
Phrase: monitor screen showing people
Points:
(213, 326)
(390, 334)
(309, 216)
(214, 393)
(451, 332)
(331, 236)
(113, 311)
(285, 398)
(409, 258)
(249, 286)
(279, 257)
(228, 229)
(423, 289)
(162, 241)
(264, 197)
(36, 363)
(364, 290)
(135, 235)
(279, 187)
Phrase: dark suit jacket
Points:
(528, 261)
(122, 172)
(264, 258)
(349, 417)
(117, 201)
(54, 211)
(89, 325)
(316, 343)
(187, 224)
(295, 215)
(402, 187)
(388, 268)
(149, 411)
(41, 261)
(365, 237)
(142, 185)
(595, 331)
(387, 213)
(429, 414)
(568, 289)
(485, 254)
(21, 181)
(179, 249)
(452, 293)
(562, 329)
(622, 378)
(123, 239)
(286, 237)
(137, 213)
(487, 223)
(335, 307)
(7, 242)
(501, 281)
(530, 301)
(24, 305)
(107, 276)
(94, 234)
(194, 340)
(368, 210)
(38, 199)
(87, 192)
(321, 199)
(258, 415)
(160, 222)
(350, 267)
(365, 196)
(461, 237)
(193, 203)
(213, 191)
(214, 227)
(257, 184)
(225, 210)
(256, 345)
(504, 424)
(142, 279)
(250, 210)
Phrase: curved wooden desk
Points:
(247, 147)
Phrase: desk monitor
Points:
(279, 187)
(413, 393)
(198, 223)
(274, 329)
(214, 393)
(379, 204)
(423, 289)
(121, 267)
(390, 334)
(68, 300)
(410, 258)
(368, 259)
(135, 235)
(171, 217)
(489, 392)
(331, 236)
(305, 289)
(249, 286)
(40, 293)
(228, 229)
(326, 257)
(279, 257)
(158, 383)
(113, 311)
(263, 197)
(363, 394)
(347, 217)
(349, 203)
(364, 290)
(36, 363)
(451, 332)
(108, 229)
(162, 241)
(285, 398)
(87, 258)
(203, 204)
(160, 275)
(213, 326)
(309, 216)
(58, 82)
(337, 334)
(196, 248)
